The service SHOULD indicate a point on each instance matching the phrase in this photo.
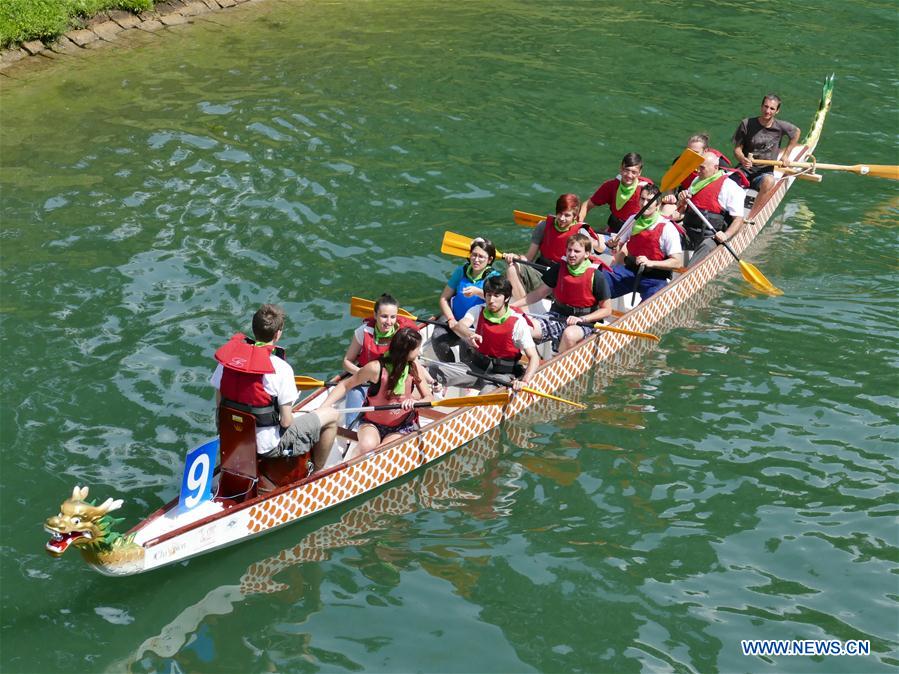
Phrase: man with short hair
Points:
(621, 194)
(253, 377)
(498, 336)
(761, 137)
(652, 242)
(719, 199)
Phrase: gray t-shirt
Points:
(762, 142)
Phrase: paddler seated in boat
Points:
(464, 290)
(761, 137)
(253, 377)
(621, 194)
(581, 297)
(548, 243)
(393, 378)
(720, 200)
(652, 242)
(371, 341)
(498, 336)
(699, 143)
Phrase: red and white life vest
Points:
(371, 350)
(497, 337)
(244, 366)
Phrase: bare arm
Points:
(363, 375)
(604, 309)
(533, 364)
(423, 384)
(731, 231)
(534, 296)
(794, 141)
(585, 208)
(445, 307)
(352, 353)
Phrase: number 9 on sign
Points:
(196, 483)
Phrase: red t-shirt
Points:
(605, 196)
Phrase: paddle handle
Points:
(392, 406)
(712, 229)
(528, 263)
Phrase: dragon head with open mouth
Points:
(83, 524)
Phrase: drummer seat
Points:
(238, 478)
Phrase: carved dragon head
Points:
(81, 523)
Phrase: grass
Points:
(23, 20)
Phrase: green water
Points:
(736, 482)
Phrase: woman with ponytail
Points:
(393, 378)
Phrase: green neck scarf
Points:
(475, 279)
(645, 222)
(381, 336)
(400, 387)
(559, 229)
(699, 184)
(580, 269)
(498, 318)
(625, 192)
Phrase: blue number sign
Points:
(196, 483)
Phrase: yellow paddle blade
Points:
(757, 279)
(362, 308)
(304, 383)
(500, 398)
(458, 245)
(623, 331)
(527, 219)
(550, 396)
(878, 171)
(688, 162)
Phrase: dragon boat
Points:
(243, 498)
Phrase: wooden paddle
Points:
(503, 382)
(362, 308)
(674, 176)
(888, 171)
(501, 398)
(458, 245)
(752, 275)
(612, 328)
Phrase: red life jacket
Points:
(706, 199)
(574, 293)
(379, 394)
(647, 242)
(244, 366)
(497, 337)
(371, 350)
(555, 243)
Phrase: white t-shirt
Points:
(521, 331)
(732, 197)
(280, 384)
(359, 333)
(669, 241)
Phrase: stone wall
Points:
(108, 28)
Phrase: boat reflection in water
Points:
(436, 488)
